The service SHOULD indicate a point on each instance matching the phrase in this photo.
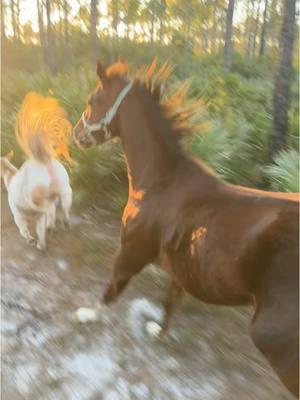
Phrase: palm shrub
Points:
(226, 149)
(238, 123)
(283, 175)
(99, 177)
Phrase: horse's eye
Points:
(93, 99)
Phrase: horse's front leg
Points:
(131, 259)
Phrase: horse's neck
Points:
(149, 162)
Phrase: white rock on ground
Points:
(84, 315)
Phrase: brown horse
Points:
(223, 244)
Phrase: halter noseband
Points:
(108, 117)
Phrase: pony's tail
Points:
(42, 128)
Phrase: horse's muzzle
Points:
(82, 138)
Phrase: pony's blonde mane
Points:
(43, 118)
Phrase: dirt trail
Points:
(208, 354)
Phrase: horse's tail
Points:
(42, 128)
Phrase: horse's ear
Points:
(101, 72)
(9, 155)
(122, 66)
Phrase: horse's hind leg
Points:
(275, 326)
(280, 346)
(171, 304)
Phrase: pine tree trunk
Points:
(61, 28)
(250, 29)
(128, 29)
(42, 31)
(214, 29)
(187, 38)
(162, 21)
(66, 30)
(228, 36)
(281, 98)
(3, 33)
(13, 18)
(152, 28)
(256, 28)
(18, 19)
(50, 41)
(115, 16)
(93, 28)
(272, 23)
(263, 32)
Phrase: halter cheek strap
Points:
(108, 117)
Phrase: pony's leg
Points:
(131, 259)
(41, 226)
(171, 305)
(51, 215)
(23, 228)
(66, 203)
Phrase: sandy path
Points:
(208, 354)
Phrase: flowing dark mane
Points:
(173, 113)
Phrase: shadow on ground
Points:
(208, 354)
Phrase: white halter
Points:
(108, 117)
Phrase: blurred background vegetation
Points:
(241, 56)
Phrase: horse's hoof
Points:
(51, 231)
(31, 241)
(84, 315)
(66, 225)
(41, 246)
(154, 330)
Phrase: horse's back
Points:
(217, 243)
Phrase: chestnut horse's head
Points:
(99, 121)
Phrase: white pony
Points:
(40, 189)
